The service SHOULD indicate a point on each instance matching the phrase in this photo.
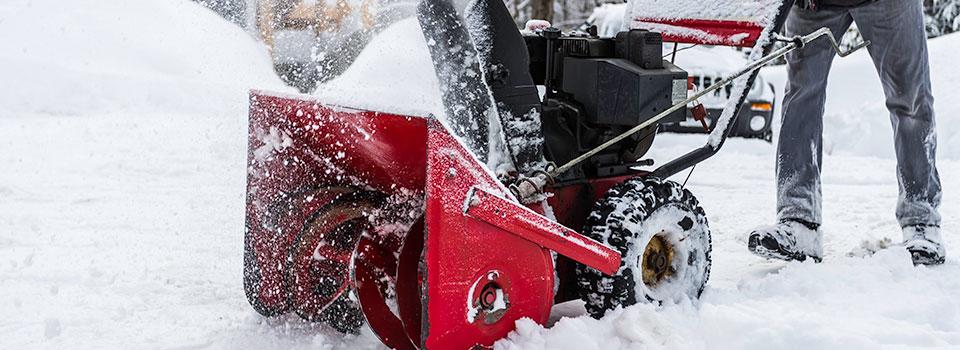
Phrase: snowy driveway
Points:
(121, 231)
(122, 170)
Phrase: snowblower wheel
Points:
(661, 231)
(321, 259)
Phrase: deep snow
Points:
(123, 143)
(83, 57)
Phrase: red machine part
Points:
(375, 273)
(572, 203)
(303, 155)
(409, 285)
(485, 262)
(464, 255)
(477, 262)
(523, 222)
(321, 255)
(703, 31)
(698, 111)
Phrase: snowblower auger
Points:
(398, 220)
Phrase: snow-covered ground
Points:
(122, 151)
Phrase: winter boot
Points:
(924, 244)
(787, 240)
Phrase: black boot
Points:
(787, 240)
(924, 244)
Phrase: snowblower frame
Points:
(360, 216)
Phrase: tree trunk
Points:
(542, 9)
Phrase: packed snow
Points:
(123, 144)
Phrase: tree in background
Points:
(942, 17)
(565, 14)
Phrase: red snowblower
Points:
(441, 231)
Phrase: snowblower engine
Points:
(597, 88)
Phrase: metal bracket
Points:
(527, 224)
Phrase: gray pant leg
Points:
(799, 151)
(899, 52)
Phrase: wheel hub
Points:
(657, 263)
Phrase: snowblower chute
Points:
(400, 222)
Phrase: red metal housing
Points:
(703, 31)
(486, 258)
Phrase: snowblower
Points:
(441, 231)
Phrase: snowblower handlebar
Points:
(801, 41)
(705, 152)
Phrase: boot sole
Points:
(772, 250)
(923, 257)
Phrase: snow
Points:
(123, 150)
(609, 19)
(849, 303)
(84, 56)
(395, 68)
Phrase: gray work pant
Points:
(899, 53)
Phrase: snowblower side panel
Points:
(480, 278)
(301, 156)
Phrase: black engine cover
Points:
(615, 91)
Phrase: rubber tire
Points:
(619, 220)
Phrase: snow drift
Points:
(800, 306)
(122, 144)
(393, 73)
(76, 57)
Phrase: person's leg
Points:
(899, 50)
(797, 235)
(799, 149)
